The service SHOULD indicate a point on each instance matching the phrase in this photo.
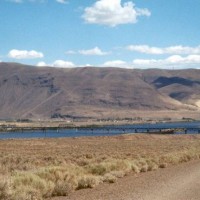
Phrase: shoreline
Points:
(51, 125)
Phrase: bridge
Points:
(150, 130)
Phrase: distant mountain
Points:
(33, 92)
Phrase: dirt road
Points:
(180, 182)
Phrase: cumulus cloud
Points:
(24, 54)
(113, 12)
(63, 64)
(145, 49)
(96, 51)
(116, 63)
(175, 60)
(42, 64)
(93, 52)
(167, 50)
(58, 64)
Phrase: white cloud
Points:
(167, 50)
(87, 65)
(58, 64)
(145, 49)
(93, 52)
(96, 51)
(63, 64)
(116, 63)
(24, 54)
(143, 62)
(42, 64)
(113, 13)
(175, 61)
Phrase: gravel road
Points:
(180, 182)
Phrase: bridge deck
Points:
(123, 129)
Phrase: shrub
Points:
(135, 168)
(110, 178)
(26, 193)
(88, 181)
(98, 169)
(62, 188)
(118, 174)
(4, 189)
(32, 184)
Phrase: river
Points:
(103, 131)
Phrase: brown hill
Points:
(32, 92)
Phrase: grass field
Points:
(42, 168)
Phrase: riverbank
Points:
(142, 118)
(42, 168)
(57, 126)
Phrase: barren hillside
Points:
(32, 92)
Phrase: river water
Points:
(105, 131)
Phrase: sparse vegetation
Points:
(42, 168)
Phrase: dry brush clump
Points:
(39, 169)
(5, 190)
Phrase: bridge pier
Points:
(136, 130)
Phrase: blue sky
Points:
(136, 34)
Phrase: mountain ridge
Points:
(94, 92)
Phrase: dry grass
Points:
(42, 168)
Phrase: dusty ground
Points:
(42, 168)
(180, 182)
(30, 153)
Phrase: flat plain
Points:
(45, 168)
